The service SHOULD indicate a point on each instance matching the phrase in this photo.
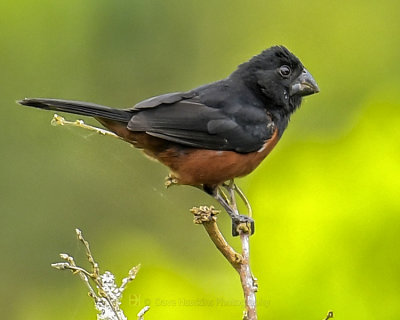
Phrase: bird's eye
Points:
(285, 71)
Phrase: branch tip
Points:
(204, 214)
(64, 256)
(78, 233)
(134, 271)
(141, 313)
(60, 265)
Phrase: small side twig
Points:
(61, 121)
(141, 313)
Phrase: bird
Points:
(210, 135)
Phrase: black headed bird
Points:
(216, 132)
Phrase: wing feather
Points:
(183, 119)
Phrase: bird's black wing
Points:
(183, 119)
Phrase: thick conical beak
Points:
(304, 85)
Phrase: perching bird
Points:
(213, 133)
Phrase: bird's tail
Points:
(79, 107)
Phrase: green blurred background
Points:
(326, 200)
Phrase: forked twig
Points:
(108, 295)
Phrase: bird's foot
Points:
(170, 180)
(242, 224)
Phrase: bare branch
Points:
(248, 281)
(207, 216)
(240, 262)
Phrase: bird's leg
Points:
(58, 120)
(232, 187)
(225, 197)
(244, 199)
(228, 202)
(229, 187)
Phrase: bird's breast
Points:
(212, 167)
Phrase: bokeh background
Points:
(326, 201)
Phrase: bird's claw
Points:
(242, 224)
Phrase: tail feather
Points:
(78, 107)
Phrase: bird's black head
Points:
(279, 78)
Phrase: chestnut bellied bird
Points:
(214, 133)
